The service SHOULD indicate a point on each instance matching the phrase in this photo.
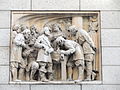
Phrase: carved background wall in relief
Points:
(55, 46)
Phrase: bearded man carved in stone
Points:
(75, 56)
(44, 55)
(83, 38)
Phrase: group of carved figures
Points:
(33, 52)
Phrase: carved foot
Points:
(77, 81)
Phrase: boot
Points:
(43, 77)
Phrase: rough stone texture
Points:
(4, 55)
(55, 87)
(4, 37)
(110, 37)
(111, 74)
(55, 5)
(110, 19)
(14, 4)
(113, 58)
(101, 87)
(4, 19)
(100, 5)
(4, 74)
(14, 87)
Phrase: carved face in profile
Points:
(55, 28)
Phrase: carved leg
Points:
(42, 72)
(27, 75)
(14, 70)
(34, 68)
(14, 74)
(80, 73)
(21, 74)
(50, 71)
(80, 65)
(70, 72)
(88, 70)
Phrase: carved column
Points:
(78, 22)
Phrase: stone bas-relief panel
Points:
(55, 47)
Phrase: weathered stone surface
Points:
(14, 87)
(14, 4)
(4, 55)
(100, 5)
(111, 56)
(55, 87)
(55, 5)
(4, 74)
(110, 37)
(4, 37)
(4, 19)
(100, 87)
(110, 19)
(111, 74)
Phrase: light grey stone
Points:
(4, 19)
(100, 87)
(4, 55)
(15, 4)
(4, 74)
(110, 19)
(55, 87)
(100, 5)
(111, 74)
(55, 4)
(110, 37)
(14, 87)
(4, 37)
(111, 55)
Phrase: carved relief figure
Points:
(83, 38)
(17, 62)
(44, 55)
(75, 56)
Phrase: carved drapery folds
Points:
(52, 47)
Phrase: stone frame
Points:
(82, 13)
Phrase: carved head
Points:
(23, 27)
(60, 40)
(56, 28)
(26, 33)
(72, 30)
(46, 31)
(16, 27)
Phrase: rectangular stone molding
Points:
(111, 56)
(100, 5)
(4, 19)
(4, 74)
(111, 74)
(32, 50)
(100, 87)
(14, 87)
(110, 37)
(15, 4)
(4, 55)
(110, 19)
(4, 37)
(55, 87)
(55, 5)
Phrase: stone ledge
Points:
(57, 83)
